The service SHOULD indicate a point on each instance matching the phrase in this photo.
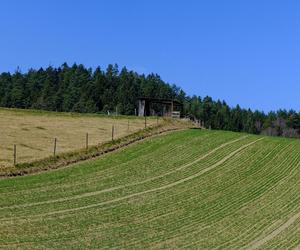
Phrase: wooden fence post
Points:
(15, 154)
(112, 132)
(128, 126)
(54, 148)
(87, 141)
(145, 121)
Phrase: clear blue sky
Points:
(245, 52)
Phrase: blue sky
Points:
(246, 52)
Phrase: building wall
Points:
(142, 107)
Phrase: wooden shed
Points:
(159, 107)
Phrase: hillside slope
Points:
(192, 188)
(33, 132)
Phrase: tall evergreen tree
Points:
(76, 88)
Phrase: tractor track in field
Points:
(259, 242)
(198, 222)
(95, 177)
(68, 162)
(195, 223)
(89, 194)
(283, 180)
(146, 191)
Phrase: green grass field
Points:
(189, 189)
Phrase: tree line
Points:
(79, 89)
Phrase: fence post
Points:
(145, 121)
(15, 154)
(112, 132)
(54, 149)
(87, 141)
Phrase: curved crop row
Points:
(192, 189)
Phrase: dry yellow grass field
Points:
(34, 131)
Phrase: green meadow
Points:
(195, 189)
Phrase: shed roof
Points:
(161, 100)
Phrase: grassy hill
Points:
(34, 131)
(192, 188)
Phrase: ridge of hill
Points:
(79, 89)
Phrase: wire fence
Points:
(21, 152)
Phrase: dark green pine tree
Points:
(18, 93)
(79, 89)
